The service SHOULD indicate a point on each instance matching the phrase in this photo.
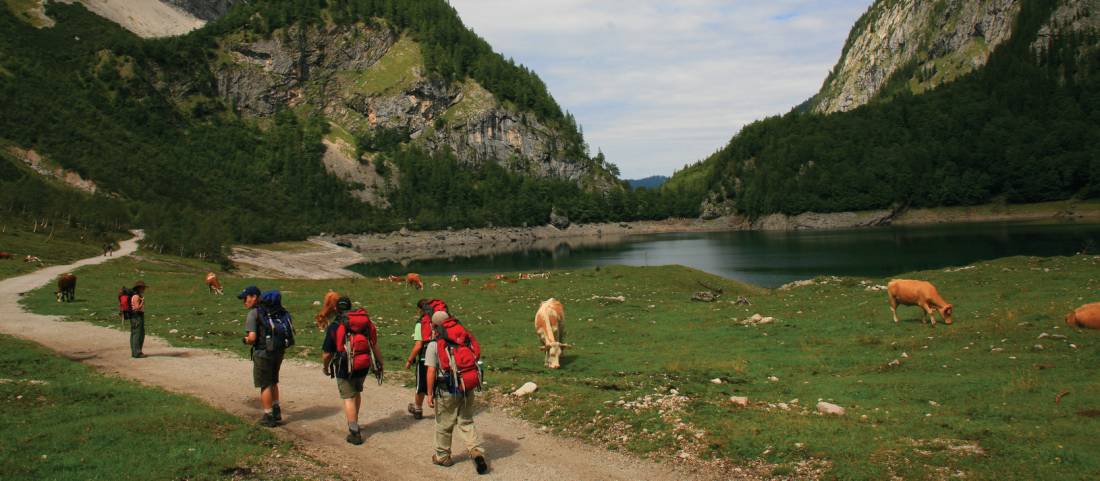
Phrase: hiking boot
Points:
(139, 355)
(417, 413)
(268, 421)
(354, 437)
(444, 461)
(277, 413)
(480, 463)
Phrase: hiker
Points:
(422, 334)
(137, 319)
(350, 352)
(107, 248)
(269, 331)
(453, 371)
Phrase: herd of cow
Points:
(550, 317)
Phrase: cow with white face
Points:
(549, 325)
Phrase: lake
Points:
(771, 259)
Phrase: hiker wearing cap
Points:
(137, 320)
(350, 353)
(422, 334)
(267, 354)
(451, 385)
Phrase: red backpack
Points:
(459, 353)
(355, 336)
(124, 300)
(433, 306)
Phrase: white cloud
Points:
(659, 84)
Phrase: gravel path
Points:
(397, 447)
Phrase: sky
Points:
(658, 84)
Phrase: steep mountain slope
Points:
(335, 116)
(912, 128)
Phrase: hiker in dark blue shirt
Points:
(350, 352)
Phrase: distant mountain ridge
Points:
(948, 102)
(651, 182)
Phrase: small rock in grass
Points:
(716, 381)
(773, 379)
(739, 401)
(525, 389)
(894, 363)
(316, 303)
(905, 354)
(173, 331)
(1037, 347)
(830, 408)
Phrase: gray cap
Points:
(439, 317)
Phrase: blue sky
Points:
(660, 84)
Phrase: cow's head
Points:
(947, 314)
(553, 354)
(1071, 319)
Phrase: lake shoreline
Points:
(321, 258)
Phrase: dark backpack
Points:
(276, 326)
(459, 353)
(355, 336)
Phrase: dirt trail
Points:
(397, 447)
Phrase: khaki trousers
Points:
(449, 412)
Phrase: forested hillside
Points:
(158, 125)
(1024, 128)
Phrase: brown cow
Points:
(413, 280)
(5, 255)
(550, 327)
(328, 309)
(213, 284)
(918, 293)
(66, 287)
(1087, 316)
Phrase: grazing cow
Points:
(66, 287)
(1087, 316)
(31, 258)
(549, 325)
(523, 276)
(918, 293)
(328, 309)
(5, 255)
(213, 284)
(454, 277)
(413, 280)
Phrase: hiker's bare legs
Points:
(420, 400)
(268, 396)
(351, 408)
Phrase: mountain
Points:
(280, 119)
(651, 182)
(949, 102)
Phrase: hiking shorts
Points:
(265, 368)
(421, 377)
(350, 387)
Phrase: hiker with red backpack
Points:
(454, 373)
(136, 308)
(350, 354)
(270, 331)
(422, 335)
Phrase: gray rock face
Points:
(324, 68)
(949, 43)
(813, 220)
(207, 10)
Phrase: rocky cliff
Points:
(366, 77)
(942, 39)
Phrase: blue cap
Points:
(249, 291)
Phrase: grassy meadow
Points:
(977, 399)
(52, 251)
(63, 421)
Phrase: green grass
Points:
(475, 100)
(53, 251)
(62, 421)
(831, 341)
(394, 71)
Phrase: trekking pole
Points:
(374, 364)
